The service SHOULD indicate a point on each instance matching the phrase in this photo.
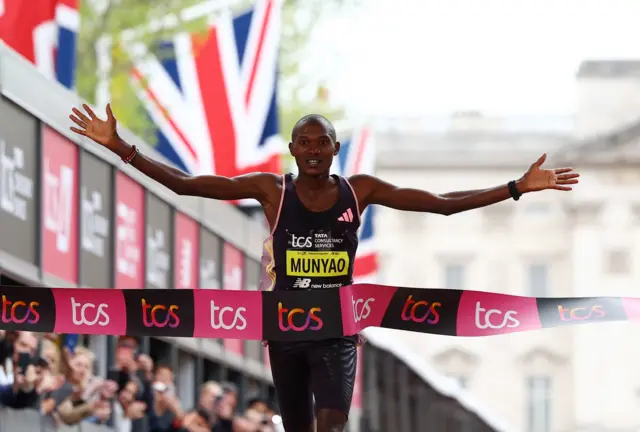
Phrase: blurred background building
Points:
(545, 245)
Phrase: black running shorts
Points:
(325, 369)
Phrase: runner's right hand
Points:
(101, 131)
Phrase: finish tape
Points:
(296, 315)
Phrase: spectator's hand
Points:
(129, 364)
(169, 401)
(241, 424)
(91, 387)
(101, 409)
(47, 406)
(30, 378)
(193, 423)
(109, 389)
(173, 403)
(145, 363)
(49, 383)
(136, 410)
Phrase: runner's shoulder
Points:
(269, 183)
(363, 183)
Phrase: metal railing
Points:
(29, 420)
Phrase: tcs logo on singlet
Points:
(316, 263)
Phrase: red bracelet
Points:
(133, 154)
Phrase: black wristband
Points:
(513, 190)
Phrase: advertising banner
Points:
(130, 234)
(210, 253)
(158, 242)
(186, 251)
(19, 133)
(96, 213)
(59, 206)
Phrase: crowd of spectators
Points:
(137, 395)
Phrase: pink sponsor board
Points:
(632, 308)
(364, 305)
(90, 311)
(186, 248)
(129, 254)
(234, 315)
(484, 313)
(59, 206)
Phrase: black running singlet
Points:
(311, 250)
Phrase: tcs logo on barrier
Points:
(235, 319)
(159, 315)
(361, 308)
(421, 311)
(581, 313)
(484, 320)
(287, 319)
(19, 312)
(82, 313)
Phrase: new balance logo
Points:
(302, 283)
(346, 216)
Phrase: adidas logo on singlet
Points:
(346, 216)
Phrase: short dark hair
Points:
(256, 399)
(314, 118)
(160, 366)
(229, 387)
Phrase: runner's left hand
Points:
(537, 179)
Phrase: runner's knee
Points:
(331, 420)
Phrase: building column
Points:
(587, 260)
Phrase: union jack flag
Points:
(45, 33)
(214, 98)
(357, 156)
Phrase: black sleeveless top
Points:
(311, 250)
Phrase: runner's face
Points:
(313, 149)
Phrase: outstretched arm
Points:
(207, 186)
(372, 190)
(104, 132)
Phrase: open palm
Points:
(101, 131)
(537, 179)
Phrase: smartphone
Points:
(120, 377)
(24, 360)
(41, 362)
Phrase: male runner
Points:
(314, 212)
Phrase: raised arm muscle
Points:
(248, 186)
